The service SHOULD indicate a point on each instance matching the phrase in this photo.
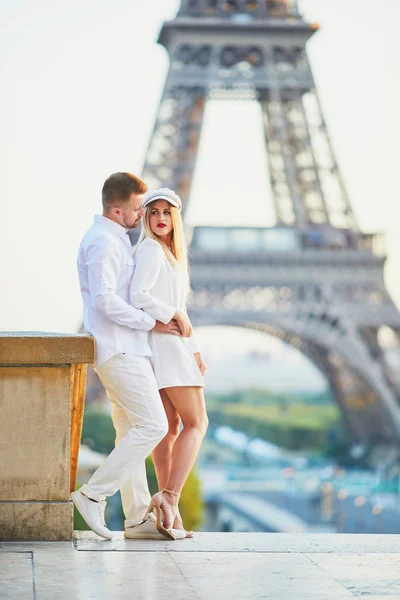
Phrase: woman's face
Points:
(160, 218)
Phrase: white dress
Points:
(161, 290)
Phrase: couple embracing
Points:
(146, 357)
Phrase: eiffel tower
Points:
(315, 280)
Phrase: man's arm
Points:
(103, 261)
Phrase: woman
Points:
(160, 286)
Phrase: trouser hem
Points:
(89, 493)
(132, 523)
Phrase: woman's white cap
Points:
(162, 194)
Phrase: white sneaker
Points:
(93, 513)
(148, 531)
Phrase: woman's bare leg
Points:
(162, 454)
(189, 403)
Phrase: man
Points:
(105, 266)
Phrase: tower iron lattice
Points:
(315, 279)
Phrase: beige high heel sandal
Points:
(189, 534)
(155, 504)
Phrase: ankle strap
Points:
(170, 492)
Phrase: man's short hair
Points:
(119, 187)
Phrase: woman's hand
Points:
(200, 362)
(183, 323)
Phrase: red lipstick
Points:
(161, 225)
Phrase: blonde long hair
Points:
(177, 255)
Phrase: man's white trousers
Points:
(140, 423)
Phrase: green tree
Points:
(98, 431)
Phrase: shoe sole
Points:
(80, 508)
(147, 536)
(154, 536)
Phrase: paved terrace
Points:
(213, 565)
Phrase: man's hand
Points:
(171, 328)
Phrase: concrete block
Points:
(34, 433)
(47, 521)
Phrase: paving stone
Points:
(367, 588)
(364, 572)
(16, 576)
(278, 560)
(210, 567)
(373, 597)
(98, 576)
(358, 559)
(258, 575)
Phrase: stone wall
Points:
(42, 389)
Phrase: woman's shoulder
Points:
(150, 247)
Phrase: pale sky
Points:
(81, 81)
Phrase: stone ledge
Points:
(247, 542)
(41, 348)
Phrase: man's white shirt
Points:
(105, 267)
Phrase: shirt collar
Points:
(116, 228)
